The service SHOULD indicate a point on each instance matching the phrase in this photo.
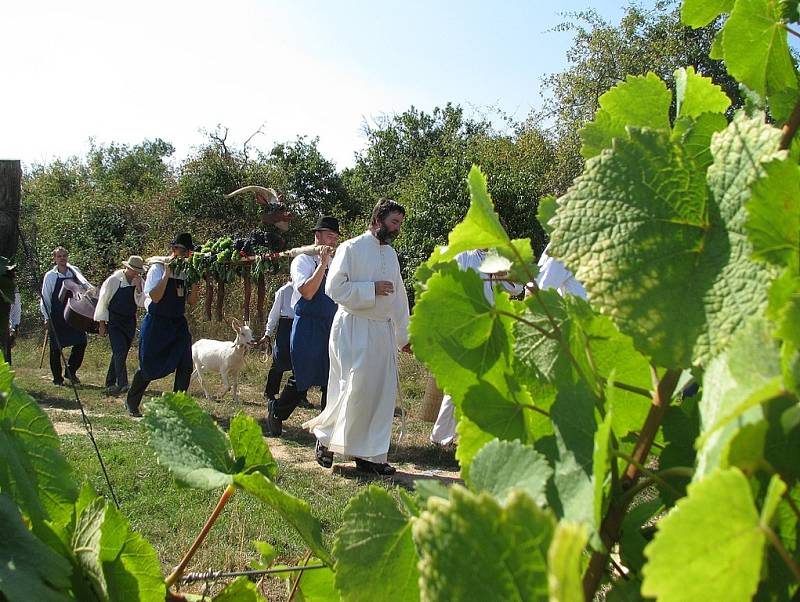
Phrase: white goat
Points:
(224, 357)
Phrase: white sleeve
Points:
(15, 316)
(400, 312)
(354, 295)
(48, 286)
(302, 269)
(108, 289)
(154, 275)
(274, 314)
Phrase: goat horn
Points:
(269, 193)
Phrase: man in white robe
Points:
(369, 327)
(554, 274)
(444, 429)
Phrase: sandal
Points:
(368, 467)
(323, 455)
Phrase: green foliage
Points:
(564, 560)
(502, 467)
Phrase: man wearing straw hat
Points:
(120, 296)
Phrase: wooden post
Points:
(261, 292)
(431, 401)
(220, 299)
(10, 193)
(209, 296)
(247, 289)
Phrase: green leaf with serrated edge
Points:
(249, 446)
(632, 541)
(784, 306)
(641, 101)
(601, 466)
(375, 555)
(85, 545)
(695, 94)
(470, 440)
(428, 488)
(774, 495)
(564, 562)
(695, 133)
(502, 550)
(773, 215)
(699, 13)
(536, 346)
(29, 569)
(188, 442)
(756, 47)
(32, 470)
(239, 590)
(667, 274)
(408, 502)
(574, 423)
(504, 466)
(545, 210)
(710, 547)
(503, 412)
(266, 555)
(749, 374)
(481, 228)
(295, 511)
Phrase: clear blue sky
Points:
(159, 68)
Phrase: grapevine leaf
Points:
(641, 101)
(239, 590)
(32, 470)
(428, 488)
(775, 492)
(86, 546)
(695, 94)
(757, 51)
(601, 465)
(546, 210)
(503, 466)
(564, 562)
(681, 428)
(501, 412)
(685, 231)
(700, 553)
(773, 220)
(317, 585)
(29, 569)
(784, 306)
(249, 447)
(502, 550)
(295, 511)
(188, 442)
(375, 554)
(471, 438)
(266, 555)
(699, 13)
(695, 133)
(747, 375)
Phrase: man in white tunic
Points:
(554, 274)
(369, 327)
(444, 429)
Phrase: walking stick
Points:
(44, 346)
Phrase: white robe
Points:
(444, 429)
(553, 274)
(366, 334)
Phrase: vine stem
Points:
(306, 558)
(658, 477)
(176, 574)
(790, 127)
(778, 545)
(792, 31)
(612, 523)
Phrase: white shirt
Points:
(154, 274)
(553, 274)
(112, 284)
(301, 270)
(15, 316)
(49, 285)
(281, 308)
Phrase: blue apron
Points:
(122, 319)
(164, 339)
(67, 335)
(309, 343)
(282, 361)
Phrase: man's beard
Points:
(385, 236)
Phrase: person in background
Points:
(15, 309)
(444, 429)
(314, 311)
(370, 326)
(62, 335)
(120, 296)
(553, 274)
(165, 344)
(277, 335)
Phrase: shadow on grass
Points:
(401, 478)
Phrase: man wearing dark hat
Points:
(165, 344)
(120, 296)
(311, 329)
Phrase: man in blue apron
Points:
(62, 335)
(120, 296)
(311, 329)
(165, 345)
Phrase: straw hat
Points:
(134, 263)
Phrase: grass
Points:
(170, 516)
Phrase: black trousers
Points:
(73, 363)
(117, 373)
(139, 385)
(274, 377)
(290, 397)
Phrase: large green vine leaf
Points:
(710, 547)
(696, 95)
(500, 467)
(375, 554)
(188, 442)
(699, 13)
(249, 447)
(501, 551)
(32, 470)
(676, 273)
